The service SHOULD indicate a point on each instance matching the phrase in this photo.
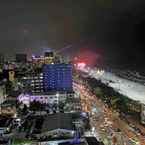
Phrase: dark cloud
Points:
(114, 26)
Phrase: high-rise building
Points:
(11, 72)
(49, 54)
(34, 83)
(57, 77)
(2, 58)
(21, 57)
(43, 59)
(37, 83)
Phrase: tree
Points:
(35, 105)
(98, 92)
(114, 101)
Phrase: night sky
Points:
(113, 28)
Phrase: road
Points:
(107, 122)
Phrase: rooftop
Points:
(57, 121)
(8, 103)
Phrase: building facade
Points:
(51, 98)
(34, 83)
(57, 77)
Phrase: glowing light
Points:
(84, 114)
(33, 56)
(81, 65)
(57, 95)
(93, 129)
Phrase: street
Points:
(108, 124)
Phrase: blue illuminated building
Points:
(57, 77)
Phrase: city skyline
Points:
(114, 27)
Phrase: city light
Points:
(88, 89)
(57, 95)
(80, 65)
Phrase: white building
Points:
(2, 94)
(51, 98)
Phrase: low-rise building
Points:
(46, 98)
(2, 93)
(8, 107)
(59, 125)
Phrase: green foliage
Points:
(114, 101)
(98, 92)
(21, 141)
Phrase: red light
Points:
(81, 65)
